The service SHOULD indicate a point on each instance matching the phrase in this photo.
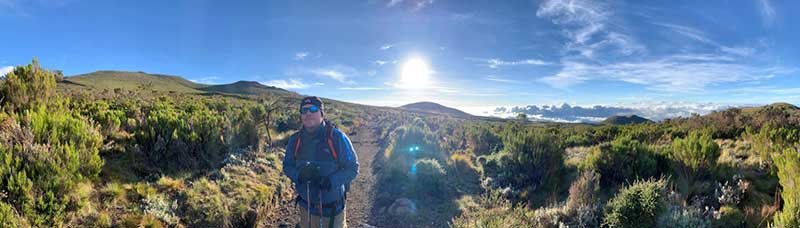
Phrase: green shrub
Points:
(109, 118)
(430, 177)
(113, 193)
(621, 161)
(637, 205)
(770, 140)
(535, 160)
(8, 216)
(206, 205)
(788, 165)
(27, 86)
(409, 143)
(246, 126)
(482, 141)
(696, 157)
(181, 137)
(497, 212)
(44, 159)
(464, 173)
(578, 140)
(101, 219)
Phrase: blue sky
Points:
(479, 53)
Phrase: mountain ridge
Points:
(109, 79)
(435, 108)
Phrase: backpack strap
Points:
(297, 146)
(328, 135)
(329, 132)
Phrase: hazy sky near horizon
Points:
(474, 53)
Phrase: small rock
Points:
(364, 225)
(403, 206)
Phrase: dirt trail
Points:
(362, 192)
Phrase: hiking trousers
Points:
(338, 220)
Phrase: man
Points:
(321, 162)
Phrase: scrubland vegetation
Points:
(78, 156)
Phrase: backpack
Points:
(328, 135)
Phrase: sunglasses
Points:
(312, 109)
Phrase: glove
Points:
(325, 184)
(309, 174)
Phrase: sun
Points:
(415, 74)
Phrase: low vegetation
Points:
(88, 153)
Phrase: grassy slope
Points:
(135, 81)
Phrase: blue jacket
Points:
(340, 172)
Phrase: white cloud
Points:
(23, 8)
(702, 37)
(386, 47)
(300, 55)
(206, 80)
(287, 84)
(5, 70)
(678, 73)
(740, 51)
(473, 18)
(361, 88)
(588, 16)
(383, 62)
(767, 12)
(663, 110)
(590, 27)
(499, 79)
(482, 94)
(594, 113)
(766, 90)
(335, 74)
(593, 29)
(689, 32)
(497, 63)
(340, 73)
(414, 5)
(393, 3)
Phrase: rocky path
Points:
(360, 199)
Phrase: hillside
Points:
(626, 119)
(169, 83)
(244, 87)
(434, 108)
(134, 81)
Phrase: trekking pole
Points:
(308, 202)
(320, 208)
(308, 198)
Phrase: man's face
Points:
(311, 120)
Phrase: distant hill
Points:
(626, 119)
(434, 108)
(134, 81)
(245, 87)
(167, 83)
(775, 107)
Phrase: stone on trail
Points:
(403, 206)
